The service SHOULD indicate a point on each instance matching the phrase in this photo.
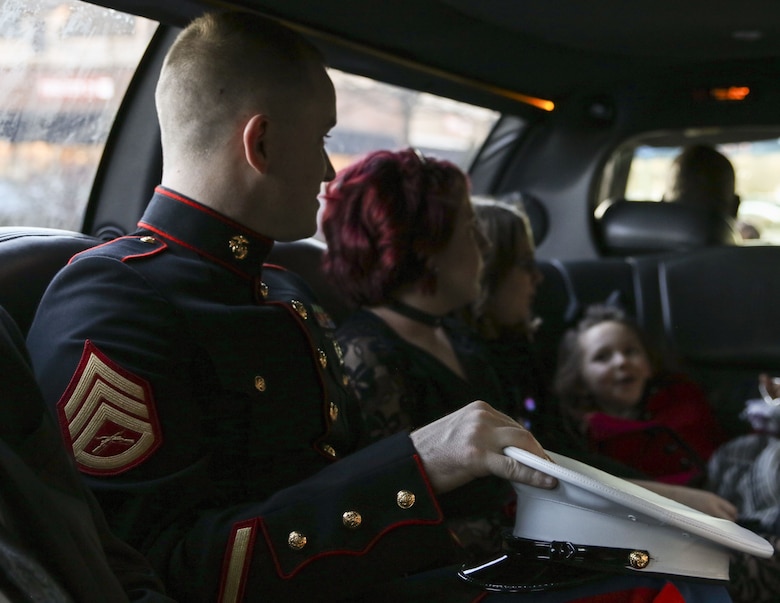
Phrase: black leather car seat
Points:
(29, 259)
(714, 312)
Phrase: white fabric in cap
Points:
(593, 508)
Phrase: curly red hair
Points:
(384, 217)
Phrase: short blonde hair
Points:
(223, 65)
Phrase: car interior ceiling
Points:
(556, 159)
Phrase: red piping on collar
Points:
(207, 210)
(213, 258)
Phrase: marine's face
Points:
(298, 163)
(615, 366)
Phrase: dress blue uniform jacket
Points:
(202, 393)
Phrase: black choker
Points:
(413, 313)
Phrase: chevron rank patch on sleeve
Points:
(108, 416)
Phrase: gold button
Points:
(638, 559)
(329, 450)
(345, 380)
(296, 541)
(259, 383)
(339, 351)
(300, 309)
(323, 358)
(148, 240)
(239, 246)
(334, 411)
(351, 519)
(263, 289)
(405, 499)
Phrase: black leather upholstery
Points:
(626, 228)
(29, 259)
(304, 257)
(721, 306)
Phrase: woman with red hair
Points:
(405, 247)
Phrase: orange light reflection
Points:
(732, 93)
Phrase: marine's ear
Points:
(254, 142)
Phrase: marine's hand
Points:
(468, 443)
(701, 500)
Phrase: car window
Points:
(65, 68)
(757, 174)
(373, 115)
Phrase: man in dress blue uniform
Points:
(201, 390)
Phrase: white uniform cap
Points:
(593, 522)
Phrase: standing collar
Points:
(186, 222)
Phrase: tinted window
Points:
(65, 67)
(373, 115)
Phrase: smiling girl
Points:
(617, 402)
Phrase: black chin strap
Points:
(534, 565)
(594, 557)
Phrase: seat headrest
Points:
(741, 329)
(640, 227)
(29, 258)
(534, 209)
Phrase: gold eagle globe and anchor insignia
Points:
(109, 416)
(239, 246)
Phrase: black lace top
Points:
(401, 386)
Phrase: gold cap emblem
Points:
(351, 519)
(639, 559)
(405, 499)
(239, 246)
(296, 541)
